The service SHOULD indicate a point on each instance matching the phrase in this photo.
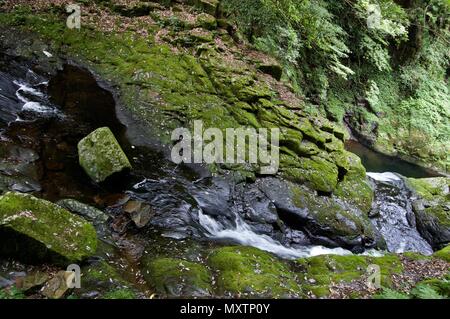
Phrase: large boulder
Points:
(177, 277)
(432, 208)
(35, 230)
(327, 220)
(100, 155)
(248, 271)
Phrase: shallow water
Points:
(379, 163)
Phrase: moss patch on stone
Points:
(33, 229)
(177, 277)
(338, 217)
(323, 271)
(443, 254)
(430, 188)
(100, 155)
(248, 271)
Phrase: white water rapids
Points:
(244, 235)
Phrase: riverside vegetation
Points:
(84, 186)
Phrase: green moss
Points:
(443, 254)
(356, 190)
(435, 192)
(35, 228)
(11, 293)
(107, 281)
(430, 188)
(326, 270)
(177, 277)
(100, 272)
(120, 294)
(338, 218)
(206, 21)
(316, 172)
(100, 155)
(250, 271)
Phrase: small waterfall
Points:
(33, 100)
(244, 235)
(393, 216)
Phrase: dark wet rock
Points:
(19, 170)
(88, 212)
(393, 216)
(137, 10)
(4, 282)
(140, 212)
(102, 280)
(256, 206)
(326, 220)
(273, 69)
(100, 155)
(432, 208)
(295, 238)
(33, 229)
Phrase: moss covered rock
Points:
(33, 229)
(343, 224)
(443, 254)
(249, 271)
(175, 277)
(102, 280)
(432, 208)
(323, 271)
(354, 187)
(100, 155)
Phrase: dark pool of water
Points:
(379, 163)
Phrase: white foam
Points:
(25, 88)
(37, 107)
(47, 54)
(244, 235)
(29, 105)
(384, 177)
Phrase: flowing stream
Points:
(41, 120)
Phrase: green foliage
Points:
(420, 291)
(388, 293)
(11, 293)
(426, 292)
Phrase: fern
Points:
(388, 293)
(426, 292)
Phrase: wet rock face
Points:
(326, 220)
(33, 229)
(101, 156)
(19, 169)
(393, 216)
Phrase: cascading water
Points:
(186, 207)
(393, 216)
(243, 234)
